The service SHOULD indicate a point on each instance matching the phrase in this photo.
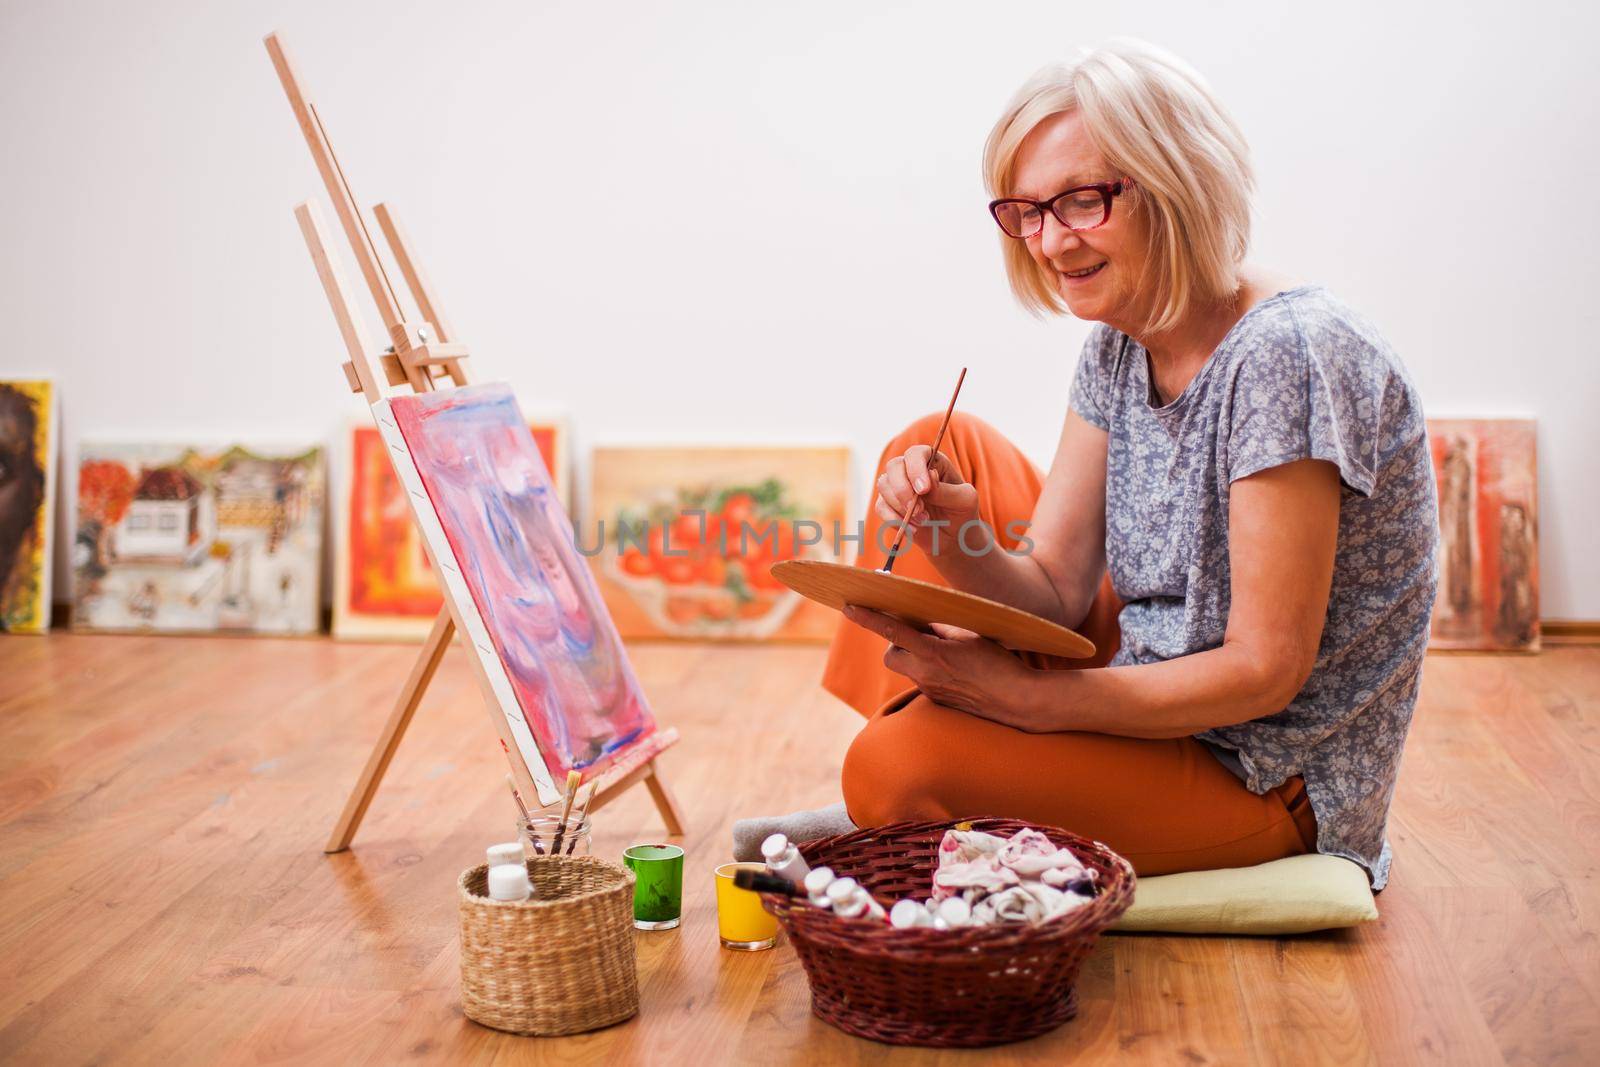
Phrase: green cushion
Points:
(1287, 896)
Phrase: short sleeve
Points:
(1090, 395)
(1308, 395)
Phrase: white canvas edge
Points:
(462, 607)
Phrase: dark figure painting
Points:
(24, 517)
(1517, 622)
(1457, 502)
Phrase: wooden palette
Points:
(920, 603)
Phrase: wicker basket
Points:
(561, 963)
(962, 988)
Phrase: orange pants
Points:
(1168, 805)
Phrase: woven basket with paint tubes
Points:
(1002, 969)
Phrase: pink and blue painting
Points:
(508, 541)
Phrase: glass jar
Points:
(538, 835)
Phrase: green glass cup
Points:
(658, 885)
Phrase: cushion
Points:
(1287, 896)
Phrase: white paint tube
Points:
(816, 886)
(509, 881)
(784, 859)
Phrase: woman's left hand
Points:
(953, 667)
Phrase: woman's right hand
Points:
(931, 485)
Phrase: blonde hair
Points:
(1156, 121)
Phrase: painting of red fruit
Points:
(687, 537)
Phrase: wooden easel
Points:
(421, 351)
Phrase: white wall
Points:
(733, 221)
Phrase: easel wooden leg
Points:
(405, 706)
(666, 803)
(620, 781)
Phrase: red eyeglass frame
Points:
(1107, 190)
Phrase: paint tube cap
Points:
(850, 909)
(773, 848)
(510, 852)
(907, 914)
(818, 880)
(843, 889)
(509, 881)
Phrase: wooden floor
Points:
(164, 897)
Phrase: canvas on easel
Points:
(540, 630)
(552, 712)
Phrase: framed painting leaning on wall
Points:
(384, 587)
(27, 495)
(682, 540)
(1488, 534)
(189, 539)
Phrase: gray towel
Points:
(799, 827)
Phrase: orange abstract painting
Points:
(1488, 534)
(385, 586)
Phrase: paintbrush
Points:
(574, 779)
(905, 520)
(765, 882)
(583, 809)
(516, 794)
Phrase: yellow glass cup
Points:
(742, 923)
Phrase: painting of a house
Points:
(188, 539)
(163, 521)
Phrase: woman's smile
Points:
(1071, 277)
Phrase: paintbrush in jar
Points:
(583, 809)
(905, 520)
(516, 794)
(574, 779)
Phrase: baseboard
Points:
(1570, 631)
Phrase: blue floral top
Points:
(1300, 375)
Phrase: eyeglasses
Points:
(1082, 207)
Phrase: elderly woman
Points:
(1243, 478)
